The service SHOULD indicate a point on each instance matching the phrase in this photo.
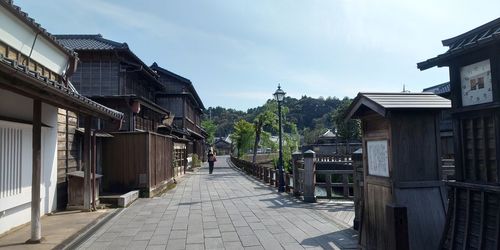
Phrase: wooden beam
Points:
(474, 153)
(87, 164)
(94, 163)
(482, 223)
(36, 227)
(467, 220)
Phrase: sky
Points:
(236, 52)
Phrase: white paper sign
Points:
(378, 160)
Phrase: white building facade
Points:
(33, 72)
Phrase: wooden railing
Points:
(338, 166)
(268, 175)
(326, 167)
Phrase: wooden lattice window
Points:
(479, 149)
(10, 161)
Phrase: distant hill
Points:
(307, 113)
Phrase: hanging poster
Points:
(378, 159)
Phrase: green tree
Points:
(243, 136)
(210, 127)
(266, 118)
(346, 130)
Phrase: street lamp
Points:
(280, 96)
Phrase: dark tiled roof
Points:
(59, 88)
(89, 42)
(328, 134)
(146, 102)
(440, 89)
(383, 102)
(170, 73)
(83, 42)
(23, 16)
(186, 81)
(477, 38)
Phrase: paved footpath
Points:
(225, 210)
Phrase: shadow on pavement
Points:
(344, 239)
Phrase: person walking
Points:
(211, 161)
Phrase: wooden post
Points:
(94, 163)
(397, 223)
(345, 185)
(357, 164)
(328, 179)
(287, 182)
(309, 176)
(87, 164)
(296, 156)
(36, 227)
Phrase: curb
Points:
(84, 234)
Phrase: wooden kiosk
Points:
(404, 199)
(473, 58)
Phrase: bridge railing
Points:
(334, 172)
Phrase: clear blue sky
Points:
(236, 51)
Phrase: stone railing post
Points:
(309, 176)
(296, 156)
(357, 164)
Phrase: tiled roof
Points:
(186, 81)
(55, 87)
(328, 134)
(16, 10)
(479, 37)
(383, 102)
(79, 42)
(89, 42)
(440, 89)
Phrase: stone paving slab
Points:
(225, 210)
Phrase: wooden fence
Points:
(137, 160)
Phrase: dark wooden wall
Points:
(161, 150)
(378, 191)
(102, 74)
(174, 104)
(97, 74)
(416, 136)
(136, 160)
(137, 84)
(172, 85)
(68, 152)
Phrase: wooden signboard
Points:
(378, 159)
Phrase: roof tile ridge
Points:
(29, 20)
(494, 23)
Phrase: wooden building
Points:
(111, 74)
(223, 146)
(181, 98)
(473, 59)
(329, 144)
(34, 71)
(446, 132)
(404, 198)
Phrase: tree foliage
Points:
(266, 118)
(243, 136)
(224, 119)
(346, 130)
(210, 127)
(311, 117)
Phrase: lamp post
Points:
(280, 95)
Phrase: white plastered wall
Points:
(20, 36)
(15, 209)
